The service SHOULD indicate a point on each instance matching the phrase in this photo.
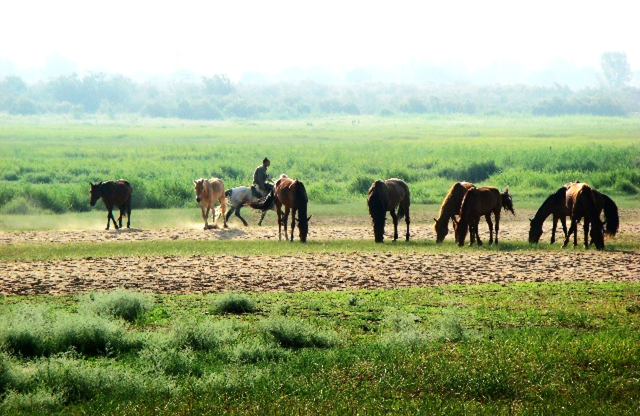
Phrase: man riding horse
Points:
(261, 180)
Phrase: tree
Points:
(615, 68)
(219, 84)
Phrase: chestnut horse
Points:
(476, 203)
(556, 205)
(385, 196)
(291, 194)
(208, 191)
(450, 208)
(581, 204)
(117, 194)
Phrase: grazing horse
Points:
(208, 191)
(450, 208)
(581, 204)
(385, 196)
(556, 205)
(117, 194)
(476, 203)
(241, 196)
(292, 194)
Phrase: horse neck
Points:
(301, 199)
(544, 211)
(590, 205)
(467, 206)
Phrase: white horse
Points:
(240, 196)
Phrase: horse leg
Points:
(223, 208)
(284, 221)
(128, 207)
(293, 222)
(490, 224)
(279, 211)
(110, 217)
(586, 233)
(568, 236)
(241, 219)
(121, 208)
(205, 216)
(407, 220)
(395, 223)
(497, 225)
(563, 221)
(231, 211)
(553, 230)
(476, 231)
(262, 217)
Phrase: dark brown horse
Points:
(385, 196)
(291, 194)
(556, 205)
(479, 202)
(450, 208)
(582, 205)
(117, 194)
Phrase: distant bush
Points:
(475, 172)
(294, 333)
(204, 336)
(233, 303)
(124, 304)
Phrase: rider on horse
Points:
(261, 180)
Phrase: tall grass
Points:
(48, 166)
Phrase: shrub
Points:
(251, 353)
(205, 336)
(401, 331)
(170, 361)
(294, 333)
(232, 303)
(121, 303)
(475, 172)
(41, 401)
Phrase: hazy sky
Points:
(257, 35)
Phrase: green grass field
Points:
(517, 349)
(47, 164)
(527, 349)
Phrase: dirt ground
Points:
(337, 271)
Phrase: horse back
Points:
(284, 192)
(397, 192)
(115, 192)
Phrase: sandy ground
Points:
(339, 271)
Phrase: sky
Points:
(232, 37)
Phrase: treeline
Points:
(187, 96)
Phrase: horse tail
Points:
(611, 216)
(264, 203)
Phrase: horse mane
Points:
(300, 195)
(377, 198)
(448, 205)
(611, 215)
(556, 198)
(507, 201)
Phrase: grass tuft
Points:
(233, 303)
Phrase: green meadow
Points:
(526, 348)
(46, 164)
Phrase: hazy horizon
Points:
(141, 37)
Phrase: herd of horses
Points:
(463, 205)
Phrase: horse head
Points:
(597, 234)
(441, 229)
(535, 231)
(200, 189)
(95, 193)
(303, 226)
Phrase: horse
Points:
(291, 194)
(112, 193)
(450, 208)
(385, 196)
(208, 191)
(241, 196)
(556, 205)
(476, 203)
(581, 204)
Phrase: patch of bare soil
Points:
(337, 271)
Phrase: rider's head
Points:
(266, 162)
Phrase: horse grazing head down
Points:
(535, 231)
(301, 201)
(377, 203)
